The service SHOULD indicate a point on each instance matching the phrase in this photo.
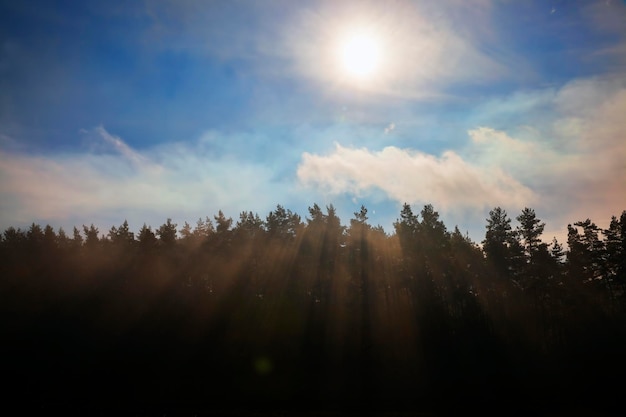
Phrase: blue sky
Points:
(154, 109)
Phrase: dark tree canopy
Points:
(284, 313)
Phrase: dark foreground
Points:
(72, 358)
(286, 318)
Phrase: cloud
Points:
(423, 47)
(569, 164)
(179, 180)
(122, 148)
(594, 161)
(521, 158)
(424, 44)
(390, 128)
(411, 176)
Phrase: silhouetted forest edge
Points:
(291, 313)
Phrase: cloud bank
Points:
(413, 177)
(570, 166)
(114, 182)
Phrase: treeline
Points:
(286, 312)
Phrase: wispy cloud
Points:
(390, 128)
(121, 147)
(179, 180)
(591, 123)
(422, 47)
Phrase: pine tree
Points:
(77, 239)
(91, 236)
(615, 257)
(186, 233)
(249, 226)
(501, 245)
(283, 223)
(222, 224)
(146, 237)
(530, 231)
(167, 233)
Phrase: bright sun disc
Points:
(360, 55)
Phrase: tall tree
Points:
(434, 237)
(222, 223)
(536, 263)
(500, 245)
(359, 246)
(223, 233)
(14, 239)
(557, 255)
(556, 251)
(91, 236)
(77, 239)
(167, 233)
(186, 232)
(283, 224)
(324, 236)
(335, 230)
(406, 226)
(317, 215)
(146, 237)
(49, 238)
(121, 236)
(35, 237)
(586, 251)
(63, 241)
(249, 226)
(530, 230)
(204, 228)
(360, 219)
(615, 255)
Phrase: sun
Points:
(360, 54)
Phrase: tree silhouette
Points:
(530, 231)
(77, 239)
(280, 312)
(167, 233)
(501, 246)
(146, 237)
(614, 264)
(91, 236)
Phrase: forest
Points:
(293, 313)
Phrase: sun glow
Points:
(360, 55)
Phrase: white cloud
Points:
(570, 164)
(180, 180)
(409, 176)
(121, 147)
(592, 124)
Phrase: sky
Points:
(161, 109)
